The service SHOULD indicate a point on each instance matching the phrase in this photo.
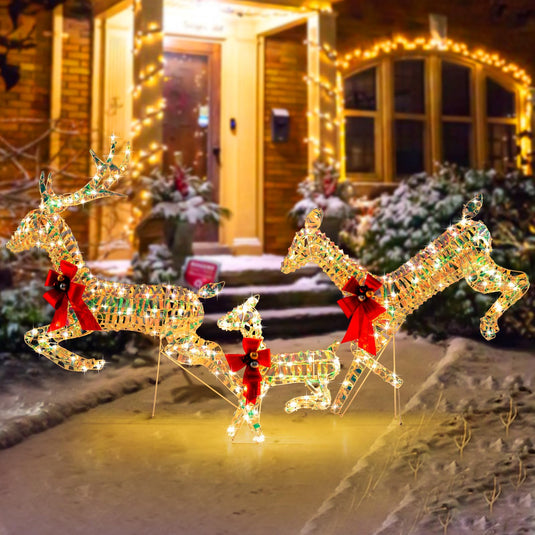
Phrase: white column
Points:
(323, 132)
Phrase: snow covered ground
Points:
(114, 470)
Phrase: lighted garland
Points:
(462, 251)
(400, 43)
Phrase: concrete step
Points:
(304, 292)
(285, 323)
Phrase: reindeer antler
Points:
(98, 187)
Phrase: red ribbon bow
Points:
(252, 360)
(362, 310)
(65, 291)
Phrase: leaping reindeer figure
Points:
(170, 312)
(316, 369)
(462, 251)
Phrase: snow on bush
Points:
(421, 208)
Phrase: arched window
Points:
(404, 112)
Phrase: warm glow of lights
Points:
(169, 312)
(401, 43)
(314, 369)
(463, 251)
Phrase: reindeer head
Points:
(33, 229)
(299, 252)
(242, 318)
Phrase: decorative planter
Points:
(176, 235)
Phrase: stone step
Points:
(285, 323)
(304, 292)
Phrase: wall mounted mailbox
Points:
(280, 125)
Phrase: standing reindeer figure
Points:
(462, 251)
(315, 369)
(170, 312)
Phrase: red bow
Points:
(252, 359)
(362, 310)
(65, 291)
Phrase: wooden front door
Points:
(191, 122)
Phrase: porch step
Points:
(313, 291)
(282, 323)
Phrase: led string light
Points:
(401, 43)
(171, 313)
(462, 251)
(314, 368)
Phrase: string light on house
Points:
(401, 43)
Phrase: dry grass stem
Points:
(508, 419)
(520, 477)
(415, 463)
(445, 518)
(492, 495)
(462, 440)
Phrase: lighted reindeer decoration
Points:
(171, 313)
(315, 369)
(462, 251)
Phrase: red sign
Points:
(197, 273)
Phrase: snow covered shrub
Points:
(323, 190)
(156, 267)
(422, 207)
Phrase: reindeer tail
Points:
(471, 209)
(210, 290)
(333, 347)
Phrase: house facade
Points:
(250, 94)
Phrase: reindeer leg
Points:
(320, 399)
(493, 278)
(362, 359)
(192, 350)
(47, 344)
(250, 414)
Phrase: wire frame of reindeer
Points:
(171, 313)
(461, 252)
(313, 368)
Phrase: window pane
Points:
(500, 101)
(502, 146)
(409, 141)
(455, 89)
(360, 91)
(360, 144)
(456, 143)
(409, 86)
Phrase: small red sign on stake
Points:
(197, 273)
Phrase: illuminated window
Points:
(405, 112)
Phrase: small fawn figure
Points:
(315, 369)
(462, 251)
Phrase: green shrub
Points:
(421, 208)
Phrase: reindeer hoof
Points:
(488, 328)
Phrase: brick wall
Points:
(28, 105)
(285, 164)
(27, 100)
(75, 110)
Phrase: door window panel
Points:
(360, 91)
(409, 143)
(456, 143)
(500, 101)
(409, 86)
(360, 144)
(455, 89)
